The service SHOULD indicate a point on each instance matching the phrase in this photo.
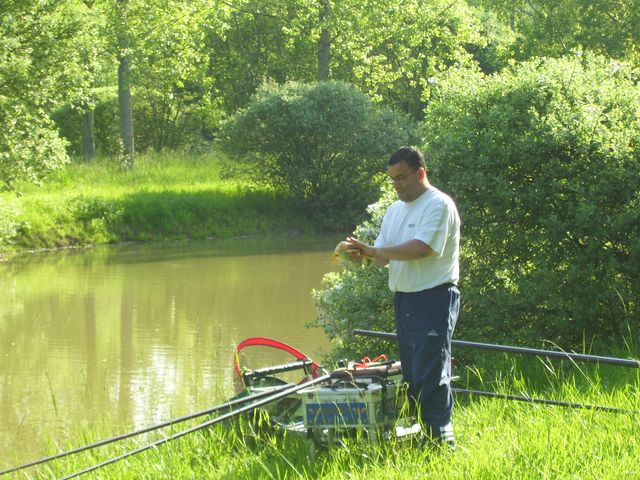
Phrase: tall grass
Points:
(496, 439)
(152, 171)
(166, 196)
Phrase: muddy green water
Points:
(132, 336)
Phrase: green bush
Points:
(323, 143)
(544, 165)
(30, 147)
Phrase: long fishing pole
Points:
(542, 401)
(229, 404)
(528, 351)
(247, 408)
(580, 357)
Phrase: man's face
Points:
(406, 180)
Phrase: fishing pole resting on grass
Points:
(247, 408)
(106, 441)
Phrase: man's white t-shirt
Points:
(433, 219)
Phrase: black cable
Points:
(543, 401)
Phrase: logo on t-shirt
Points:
(411, 225)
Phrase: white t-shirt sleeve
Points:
(434, 227)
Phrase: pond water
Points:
(135, 335)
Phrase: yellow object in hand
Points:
(347, 251)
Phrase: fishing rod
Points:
(542, 401)
(579, 357)
(528, 351)
(229, 404)
(247, 408)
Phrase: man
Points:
(419, 240)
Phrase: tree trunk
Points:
(124, 88)
(126, 111)
(512, 19)
(324, 43)
(324, 55)
(88, 135)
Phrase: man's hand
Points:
(363, 248)
(366, 252)
(352, 253)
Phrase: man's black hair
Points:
(410, 155)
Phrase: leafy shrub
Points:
(34, 46)
(30, 148)
(88, 209)
(544, 165)
(323, 143)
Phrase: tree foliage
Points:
(194, 63)
(322, 142)
(388, 49)
(36, 72)
(553, 28)
(172, 89)
(104, 104)
(393, 50)
(249, 42)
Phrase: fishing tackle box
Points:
(363, 398)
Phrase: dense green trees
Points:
(172, 90)
(152, 64)
(179, 67)
(394, 51)
(188, 65)
(555, 28)
(389, 49)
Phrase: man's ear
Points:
(422, 173)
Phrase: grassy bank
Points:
(497, 439)
(166, 196)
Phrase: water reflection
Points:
(135, 335)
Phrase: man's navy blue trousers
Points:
(425, 322)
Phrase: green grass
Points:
(497, 439)
(166, 196)
(152, 171)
